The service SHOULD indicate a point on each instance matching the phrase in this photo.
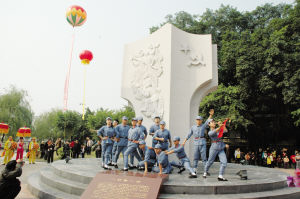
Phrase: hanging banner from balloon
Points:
(85, 56)
(76, 16)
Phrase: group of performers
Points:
(130, 141)
(10, 147)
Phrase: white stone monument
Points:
(167, 74)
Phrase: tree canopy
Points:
(15, 110)
(259, 72)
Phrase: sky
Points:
(35, 45)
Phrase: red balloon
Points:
(86, 56)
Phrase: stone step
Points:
(75, 171)
(43, 191)
(49, 178)
(285, 193)
(260, 179)
(212, 186)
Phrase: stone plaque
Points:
(126, 185)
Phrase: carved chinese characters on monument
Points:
(117, 184)
(148, 68)
(194, 59)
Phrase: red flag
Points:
(222, 129)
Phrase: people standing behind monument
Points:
(286, 161)
(10, 186)
(134, 136)
(42, 149)
(237, 155)
(259, 157)
(163, 136)
(184, 161)
(76, 149)
(98, 149)
(72, 148)
(164, 166)
(20, 149)
(150, 157)
(89, 144)
(114, 148)
(107, 134)
(33, 148)
(8, 150)
(216, 148)
(122, 140)
(58, 145)
(252, 158)
(269, 160)
(66, 149)
(198, 131)
(50, 151)
(293, 161)
(82, 150)
(247, 159)
(153, 129)
(297, 160)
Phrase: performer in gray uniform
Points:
(181, 155)
(163, 136)
(149, 158)
(216, 148)
(122, 140)
(106, 134)
(134, 136)
(198, 131)
(164, 165)
(153, 129)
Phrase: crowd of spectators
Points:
(267, 157)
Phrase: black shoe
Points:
(141, 168)
(132, 167)
(110, 164)
(116, 166)
(182, 169)
(106, 168)
(124, 169)
(222, 179)
(192, 176)
(208, 174)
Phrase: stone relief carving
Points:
(148, 68)
(193, 58)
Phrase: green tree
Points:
(69, 123)
(45, 126)
(15, 109)
(259, 71)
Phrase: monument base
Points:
(66, 181)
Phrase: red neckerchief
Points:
(222, 129)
